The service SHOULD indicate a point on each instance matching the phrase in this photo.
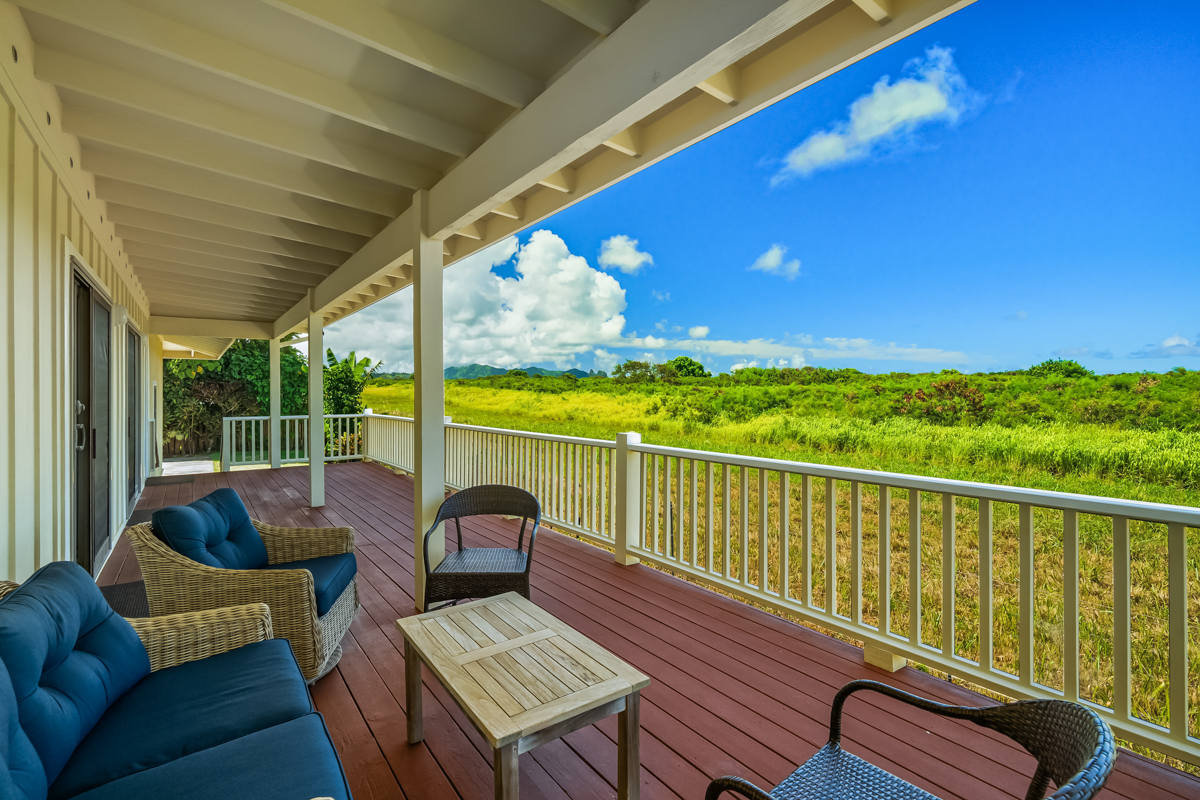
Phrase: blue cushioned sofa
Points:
(189, 706)
(211, 554)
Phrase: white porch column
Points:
(316, 404)
(429, 393)
(275, 391)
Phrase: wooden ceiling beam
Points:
(155, 141)
(199, 234)
(183, 259)
(158, 174)
(219, 294)
(161, 272)
(131, 194)
(138, 92)
(222, 328)
(409, 41)
(602, 16)
(146, 30)
(215, 247)
(878, 10)
(132, 234)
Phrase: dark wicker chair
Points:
(482, 571)
(1073, 747)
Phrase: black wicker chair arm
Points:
(732, 784)
(1077, 767)
(835, 717)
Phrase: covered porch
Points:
(735, 690)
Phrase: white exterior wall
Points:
(45, 213)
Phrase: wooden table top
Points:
(514, 668)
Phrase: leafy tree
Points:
(634, 372)
(1060, 367)
(689, 367)
(344, 382)
(197, 394)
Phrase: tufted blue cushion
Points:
(292, 761)
(69, 657)
(21, 773)
(331, 576)
(186, 709)
(215, 530)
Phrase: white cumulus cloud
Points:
(772, 263)
(621, 252)
(698, 332)
(557, 308)
(1170, 347)
(931, 89)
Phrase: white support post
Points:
(275, 391)
(429, 447)
(629, 493)
(316, 404)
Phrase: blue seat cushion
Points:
(331, 576)
(215, 530)
(69, 657)
(21, 773)
(291, 761)
(185, 709)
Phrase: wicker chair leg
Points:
(329, 664)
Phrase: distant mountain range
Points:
(471, 371)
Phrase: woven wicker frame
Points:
(1073, 747)
(493, 570)
(179, 638)
(177, 584)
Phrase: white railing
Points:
(572, 478)
(941, 587)
(246, 441)
(1029, 593)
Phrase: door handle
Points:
(93, 442)
(80, 436)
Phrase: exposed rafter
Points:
(219, 290)
(879, 10)
(133, 234)
(150, 140)
(726, 85)
(296, 272)
(155, 33)
(209, 238)
(602, 16)
(413, 43)
(151, 272)
(190, 326)
(129, 194)
(144, 94)
(628, 141)
(561, 180)
(203, 185)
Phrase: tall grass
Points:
(1160, 466)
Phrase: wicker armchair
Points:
(179, 638)
(482, 571)
(1073, 747)
(177, 584)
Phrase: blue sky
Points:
(1017, 182)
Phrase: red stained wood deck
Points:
(735, 691)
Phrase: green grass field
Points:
(1121, 458)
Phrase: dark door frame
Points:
(97, 552)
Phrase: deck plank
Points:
(735, 691)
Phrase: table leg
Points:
(505, 764)
(629, 757)
(412, 693)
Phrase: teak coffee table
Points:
(524, 678)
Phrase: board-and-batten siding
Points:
(37, 216)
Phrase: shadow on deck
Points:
(736, 690)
